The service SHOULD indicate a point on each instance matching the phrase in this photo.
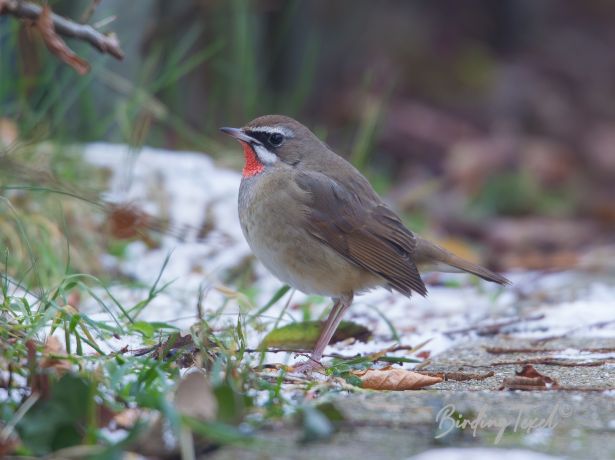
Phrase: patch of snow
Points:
(191, 190)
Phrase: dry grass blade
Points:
(52, 356)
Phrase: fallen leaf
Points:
(54, 347)
(56, 45)
(395, 379)
(303, 335)
(194, 397)
(127, 418)
(126, 221)
(528, 378)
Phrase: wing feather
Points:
(354, 221)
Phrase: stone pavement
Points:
(396, 425)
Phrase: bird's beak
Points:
(240, 135)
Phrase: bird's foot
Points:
(307, 367)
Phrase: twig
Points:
(174, 342)
(502, 350)
(551, 362)
(372, 356)
(526, 385)
(599, 324)
(458, 376)
(488, 329)
(108, 44)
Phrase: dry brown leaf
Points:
(194, 397)
(56, 45)
(528, 378)
(126, 221)
(423, 354)
(395, 379)
(127, 418)
(54, 347)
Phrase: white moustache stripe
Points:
(272, 129)
(264, 155)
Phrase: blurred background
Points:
(490, 126)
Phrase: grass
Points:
(62, 336)
(63, 394)
(41, 383)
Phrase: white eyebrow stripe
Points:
(272, 129)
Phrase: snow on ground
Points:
(189, 189)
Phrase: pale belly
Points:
(297, 258)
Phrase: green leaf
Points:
(144, 328)
(303, 336)
(59, 421)
(340, 367)
(231, 405)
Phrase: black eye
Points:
(276, 139)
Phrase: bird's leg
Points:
(333, 320)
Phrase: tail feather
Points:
(430, 256)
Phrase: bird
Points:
(315, 222)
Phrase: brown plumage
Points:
(316, 223)
(364, 231)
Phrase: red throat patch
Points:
(252, 165)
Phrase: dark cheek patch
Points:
(252, 165)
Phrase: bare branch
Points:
(108, 44)
(57, 46)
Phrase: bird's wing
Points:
(352, 220)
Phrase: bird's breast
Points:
(272, 221)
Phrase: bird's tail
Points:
(430, 256)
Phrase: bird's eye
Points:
(276, 139)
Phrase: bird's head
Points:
(274, 141)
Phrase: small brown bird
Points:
(317, 224)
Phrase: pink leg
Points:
(333, 320)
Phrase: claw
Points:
(307, 367)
